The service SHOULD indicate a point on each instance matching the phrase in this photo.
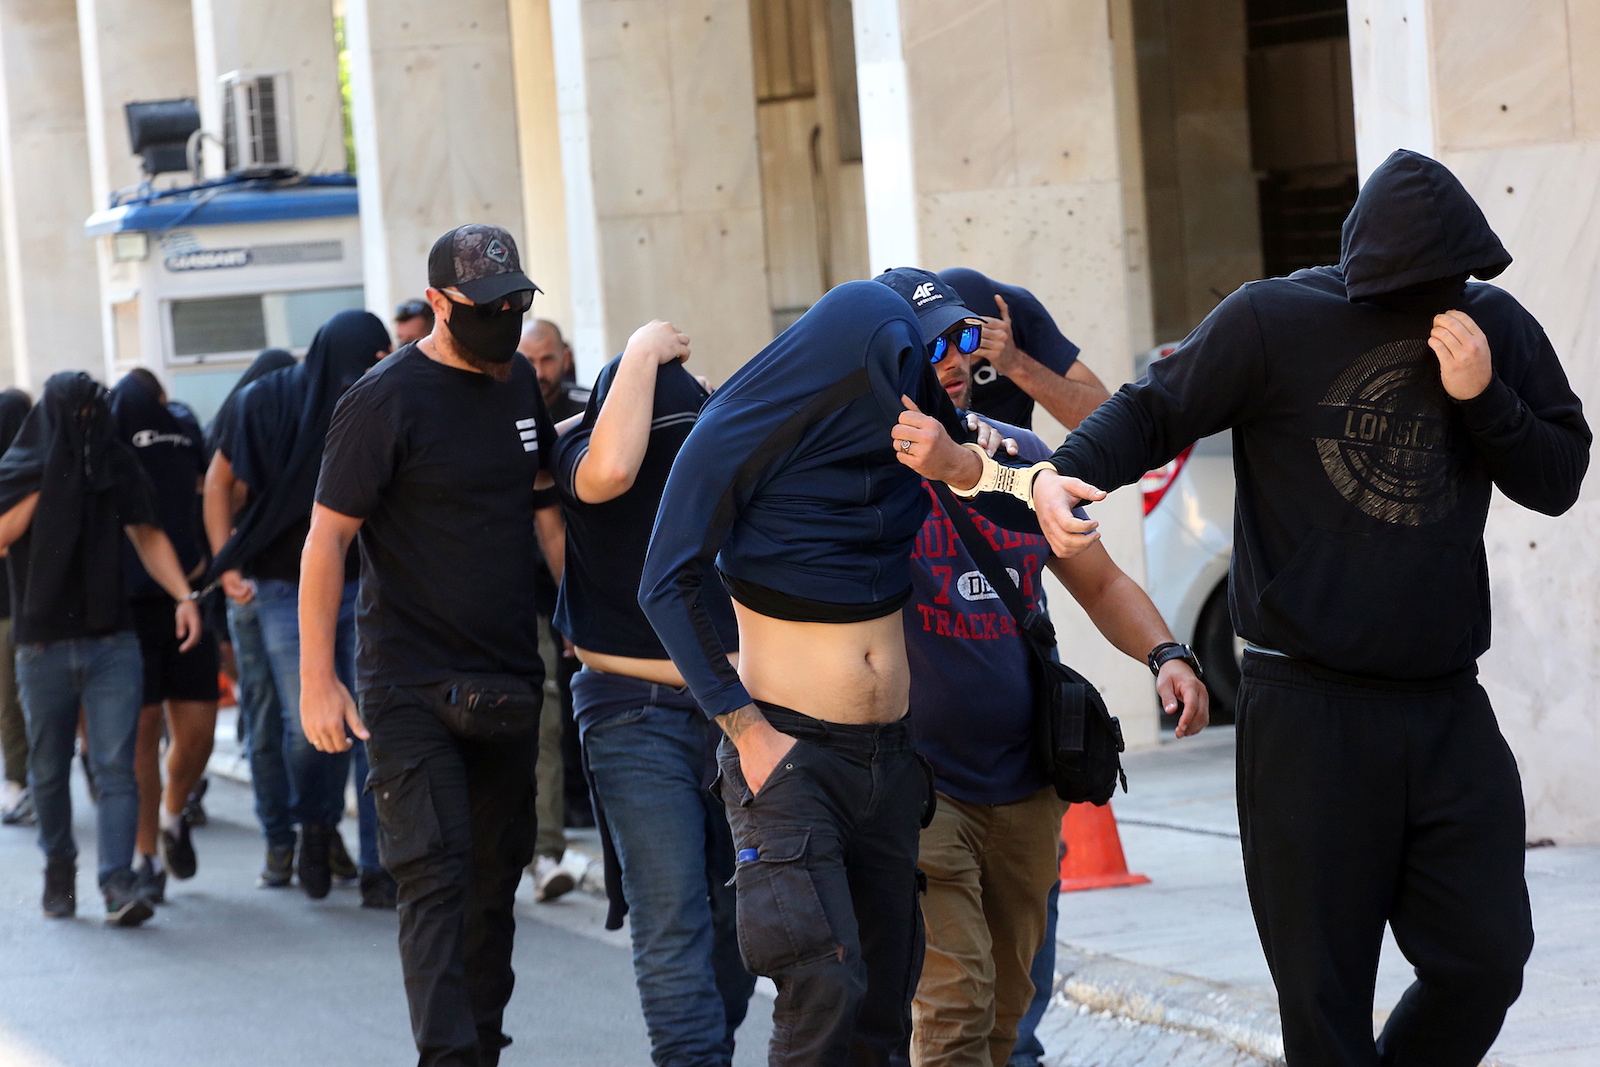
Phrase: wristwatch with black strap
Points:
(1168, 651)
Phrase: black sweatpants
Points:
(1360, 806)
(455, 829)
(827, 886)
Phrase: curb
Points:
(1226, 1014)
(1140, 993)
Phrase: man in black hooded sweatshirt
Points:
(69, 492)
(1373, 406)
(16, 805)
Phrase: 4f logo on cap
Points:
(497, 252)
(924, 293)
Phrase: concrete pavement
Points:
(228, 975)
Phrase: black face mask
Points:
(489, 334)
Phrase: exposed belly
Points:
(660, 671)
(840, 672)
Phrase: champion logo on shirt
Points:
(146, 438)
(528, 431)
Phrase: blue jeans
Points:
(104, 675)
(317, 778)
(646, 749)
(259, 706)
(1029, 1052)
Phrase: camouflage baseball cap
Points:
(480, 261)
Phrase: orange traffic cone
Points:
(1094, 858)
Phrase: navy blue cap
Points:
(937, 304)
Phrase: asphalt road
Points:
(228, 975)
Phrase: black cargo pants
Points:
(455, 828)
(1359, 807)
(827, 886)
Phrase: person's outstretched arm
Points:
(326, 706)
(1209, 384)
(1527, 425)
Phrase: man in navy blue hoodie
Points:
(1373, 406)
(790, 489)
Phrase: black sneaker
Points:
(315, 877)
(194, 812)
(278, 872)
(152, 881)
(340, 865)
(177, 849)
(126, 902)
(60, 889)
(378, 890)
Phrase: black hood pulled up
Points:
(1415, 223)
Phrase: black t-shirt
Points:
(174, 462)
(135, 505)
(440, 463)
(606, 543)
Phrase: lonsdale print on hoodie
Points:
(1362, 486)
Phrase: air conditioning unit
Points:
(257, 130)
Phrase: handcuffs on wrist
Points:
(998, 478)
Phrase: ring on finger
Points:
(905, 446)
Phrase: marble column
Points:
(1508, 96)
(661, 171)
(51, 304)
(274, 35)
(432, 105)
(990, 134)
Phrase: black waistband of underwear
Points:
(779, 605)
(854, 737)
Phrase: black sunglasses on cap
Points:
(518, 302)
(410, 310)
(965, 336)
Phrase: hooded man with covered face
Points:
(272, 453)
(1374, 405)
(70, 491)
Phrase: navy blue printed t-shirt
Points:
(994, 396)
(598, 607)
(971, 689)
(440, 464)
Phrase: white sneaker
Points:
(551, 879)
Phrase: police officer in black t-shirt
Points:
(437, 459)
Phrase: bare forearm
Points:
(737, 724)
(321, 587)
(621, 432)
(1119, 609)
(218, 505)
(1069, 399)
(160, 560)
(14, 523)
(552, 533)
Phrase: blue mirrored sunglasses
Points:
(966, 341)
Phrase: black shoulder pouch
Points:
(488, 707)
(1077, 739)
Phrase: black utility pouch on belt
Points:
(488, 707)
(1077, 739)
